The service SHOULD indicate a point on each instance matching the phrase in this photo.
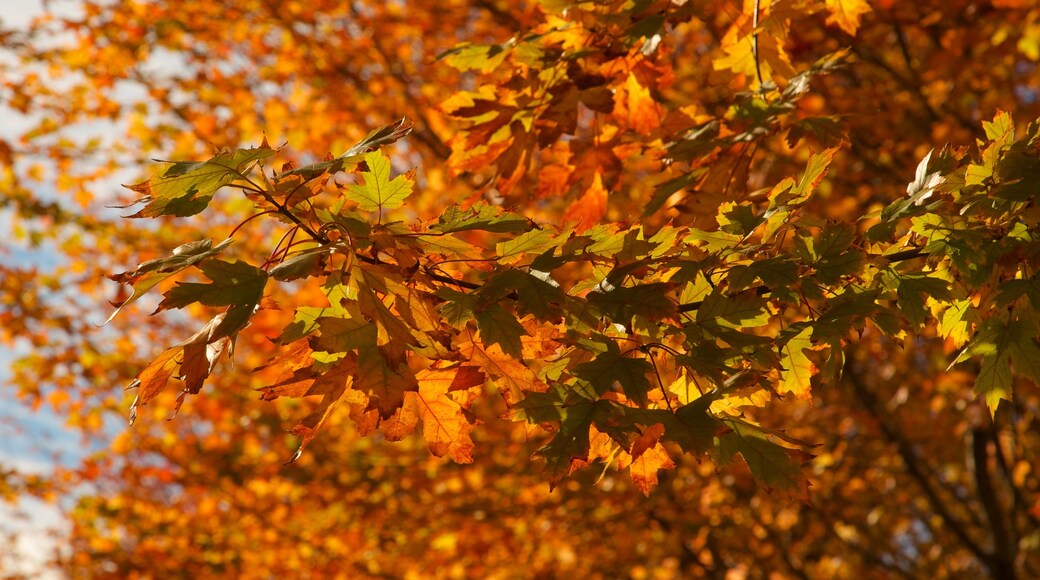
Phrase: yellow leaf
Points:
(798, 369)
(847, 13)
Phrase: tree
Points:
(735, 142)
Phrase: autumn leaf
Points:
(231, 283)
(613, 366)
(333, 385)
(847, 14)
(590, 208)
(148, 274)
(377, 191)
(1003, 344)
(498, 327)
(773, 466)
(186, 188)
(466, 56)
(445, 424)
(636, 107)
(648, 458)
(798, 369)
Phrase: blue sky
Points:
(30, 441)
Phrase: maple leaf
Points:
(448, 379)
(385, 135)
(187, 187)
(344, 334)
(612, 366)
(648, 458)
(569, 448)
(385, 381)
(482, 217)
(1003, 344)
(511, 375)
(742, 310)
(333, 385)
(377, 191)
(232, 283)
(467, 56)
(532, 242)
(300, 264)
(148, 274)
(636, 108)
(446, 427)
(772, 465)
(847, 14)
(191, 360)
(590, 208)
(498, 327)
(797, 368)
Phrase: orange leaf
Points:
(636, 108)
(450, 379)
(649, 457)
(591, 207)
(154, 377)
(445, 425)
(510, 375)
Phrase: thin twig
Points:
(754, 48)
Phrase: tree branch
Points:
(1003, 561)
(912, 463)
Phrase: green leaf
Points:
(481, 57)
(913, 288)
(712, 241)
(148, 274)
(691, 426)
(384, 135)
(299, 265)
(458, 308)
(778, 271)
(771, 465)
(956, 322)
(187, 187)
(1003, 345)
(1012, 290)
(746, 309)
(610, 366)
(537, 293)
(539, 407)
(571, 441)
(481, 217)
(379, 192)
(532, 242)
(621, 304)
(738, 219)
(497, 326)
(666, 189)
(232, 283)
(305, 322)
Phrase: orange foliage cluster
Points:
(651, 137)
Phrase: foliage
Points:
(642, 231)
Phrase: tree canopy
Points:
(752, 286)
